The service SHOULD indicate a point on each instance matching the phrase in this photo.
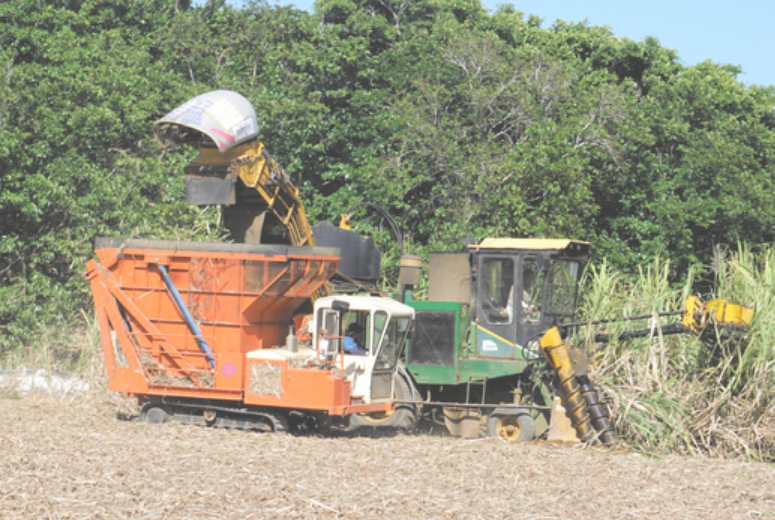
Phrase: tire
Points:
(511, 425)
(154, 413)
(402, 418)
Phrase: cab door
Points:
(529, 310)
(497, 312)
(372, 375)
(391, 334)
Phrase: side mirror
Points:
(410, 333)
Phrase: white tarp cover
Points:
(225, 116)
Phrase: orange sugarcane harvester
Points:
(199, 332)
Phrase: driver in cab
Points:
(353, 341)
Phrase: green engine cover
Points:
(447, 349)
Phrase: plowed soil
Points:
(90, 458)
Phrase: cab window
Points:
(562, 289)
(497, 280)
(532, 289)
(393, 340)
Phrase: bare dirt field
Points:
(81, 459)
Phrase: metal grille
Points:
(433, 340)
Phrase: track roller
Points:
(215, 415)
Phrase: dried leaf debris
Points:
(90, 458)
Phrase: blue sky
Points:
(741, 33)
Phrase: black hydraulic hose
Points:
(673, 328)
(388, 217)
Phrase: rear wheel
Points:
(403, 417)
(511, 425)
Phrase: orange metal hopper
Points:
(241, 298)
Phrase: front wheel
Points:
(511, 425)
(403, 417)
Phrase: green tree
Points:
(461, 123)
(82, 85)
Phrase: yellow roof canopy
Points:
(533, 244)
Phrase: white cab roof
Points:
(368, 303)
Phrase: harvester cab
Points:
(508, 291)
(383, 325)
(475, 355)
(522, 287)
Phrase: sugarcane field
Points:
(379, 259)
(91, 458)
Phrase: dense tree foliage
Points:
(460, 122)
